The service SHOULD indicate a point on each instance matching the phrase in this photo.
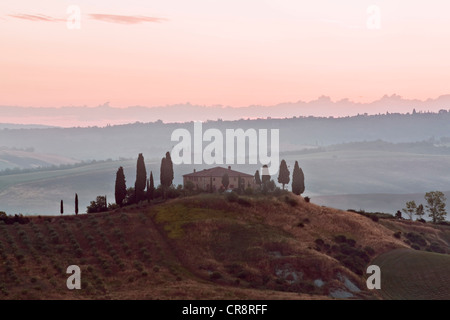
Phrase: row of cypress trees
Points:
(143, 188)
(298, 178)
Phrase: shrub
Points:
(415, 247)
(292, 202)
(215, 275)
(370, 251)
(416, 238)
(319, 242)
(340, 239)
(307, 199)
(244, 202)
(232, 197)
(351, 242)
(374, 218)
(334, 248)
(113, 206)
(398, 234)
(435, 247)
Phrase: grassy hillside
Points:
(417, 275)
(11, 158)
(202, 247)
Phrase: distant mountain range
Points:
(105, 114)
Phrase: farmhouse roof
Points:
(217, 172)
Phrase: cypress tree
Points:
(298, 180)
(169, 168)
(283, 174)
(257, 178)
(152, 186)
(76, 204)
(62, 207)
(166, 175)
(141, 178)
(121, 188)
(225, 180)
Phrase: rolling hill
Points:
(28, 159)
(205, 247)
(414, 275)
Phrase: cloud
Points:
(35, 17)
(113, 18)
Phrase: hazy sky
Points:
(229, 52)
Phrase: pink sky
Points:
(233, 52)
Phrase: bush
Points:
(232, 197)
(319, 242)
(244, 202)
(374, 218)
(173, 193)
(340, 239)
(398, 234)
(415, 247)
(351, 242)
(416, 238)
(435, 247)
(248, 191)
(113, 206)
(370, 251)
(307, 199)
(278, 192)
(292, 202)
(99, 205)
(215, 275)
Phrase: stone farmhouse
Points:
(213, 177)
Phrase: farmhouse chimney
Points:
(229, 167)
(194, 170)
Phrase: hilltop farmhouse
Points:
(213, 177)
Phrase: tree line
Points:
(435, 207)
(144, 188)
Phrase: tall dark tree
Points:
(121, 187)
(257, 178)
(62, 207)
(141, 179)
(152, 187)
(166, 175)
(283, 174)
(169, 168)
(298, 180)
(225, 180)
(76, 203)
